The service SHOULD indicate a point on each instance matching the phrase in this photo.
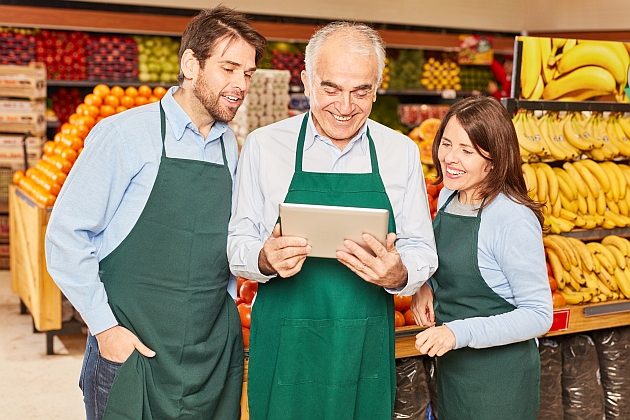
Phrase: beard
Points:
(210, 102)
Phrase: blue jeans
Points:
(97, 377)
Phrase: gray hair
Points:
(361, 40)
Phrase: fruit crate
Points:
(12, 153)
(20, 116)
(23, 81)
(29, 277)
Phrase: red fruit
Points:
(553, 284)
(399, 319)
(409, 320)
(248, 291)
(245, 313)
(402, 303)
(558, 300)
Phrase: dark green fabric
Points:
(322, 341)
(496, 383)
(167, 283)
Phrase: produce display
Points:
(440, 74)
(589, 272)
(63, 102)
(433, 193)
(285, 56)
(112, 57)
(17, 46)
(573, 70)
(405, 69)
(424, 135)
(387, 76)
(246, 292)
(43, 181)
(64, 53)
(158, 59)
(475, 78)
(581, 194)
(571, 136)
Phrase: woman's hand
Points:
(422, 306)
(435, 341)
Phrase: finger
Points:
(290, 263)
(288, 253)
(357, 266)
(276, 231)
(296, 269)
(431, 313)
(289, 241)
(422, 318)
(391, 241)
(144, 350)
(377, 247)
(358, 251)
(361, 274)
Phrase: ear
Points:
(189, 64)
(306, 83)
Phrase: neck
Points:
(469, 198)
(195, 110)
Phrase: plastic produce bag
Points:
(582, 392)
(551, 407)
(412, 390)
(613, 350)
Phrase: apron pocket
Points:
(331, 351)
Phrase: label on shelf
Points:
(560, 320)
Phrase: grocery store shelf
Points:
(597, 234)
(445, 94)
(405, 340)
(92, 83)
(596, 316)
(512, 105)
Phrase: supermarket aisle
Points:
(33, 385)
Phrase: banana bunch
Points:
(582, 194)
(590, 272)
(571, 135)
(573, 70)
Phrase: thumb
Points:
(276, 231)
(391, 240)
(144, 350)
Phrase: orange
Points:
(74, 119)
(402, 303)
(153, 99)
(121, 108)
(141, 100)
(93, 111)
(409, 319)
(159, 92)
(131, 91)
(127, 101)
(69, 154)
(101, 90)
(145, 91)
(117, 91)
(66, 128)
(49, 147)
(111, 100)
(107, 110)
(88, 121)
(82, 109)
(17, 175)
(399, 319)
(93, 99)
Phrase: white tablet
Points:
(326, 227)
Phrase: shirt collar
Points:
(179, 120)
(312, 134)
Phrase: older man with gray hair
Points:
(322, 338)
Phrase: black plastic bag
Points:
(613, 350)
(582, 392)
(412, 390)
(551, 407)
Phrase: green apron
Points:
(167, 283)
(322, 341)
(493, 383)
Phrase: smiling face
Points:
(463, 168)
(342, 89)
(221, 85)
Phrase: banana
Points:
(530, 65)
(525, 140)
(572, 134)
(584, 127)
(589, 178)
(624, 282)
(559, 225)
(566, 184)
(618, 220)
(586, 258)
(624, 122)
(608, 279)
(619, 257)
(598, 125)
(623, 207)
(580, 222)
(568, 279)
(532, 132)
(552, 181)
(593, 54)
(557, 134)
(556, 266)
(598, 173)
(605, 257)
(622, 137)
(587, 77)
(613, 137)
(545, 52)
(567, 215)
(556, 208)
(559, 251)
(529, 173)
(623, 58)
(597, 266)
(591, 203)
(575, 175)
(556, 150)
(542, 184)
(564, 243)
(612, 206)
(616, 176)
(538, 89)
(603, 288)
(620, 243)
(601, 204)
(573, 298)
(568, 205)
(580, 95)
(582, 205)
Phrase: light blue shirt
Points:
(265, 171)
(107, 190)
(511, 259)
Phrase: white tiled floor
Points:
(32, 384)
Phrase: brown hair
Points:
(211, 25)
(493, 136)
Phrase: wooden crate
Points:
(29, 276)
(23, 81)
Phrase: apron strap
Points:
(299, 152)
(163, 129)
(225, 163)
(448, 200)
(481, 208)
